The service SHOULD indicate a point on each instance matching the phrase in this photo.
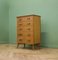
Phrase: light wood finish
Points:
(37, 29)
(28, 30)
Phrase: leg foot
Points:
(39, 45)
(24, 45)
(17, 45)
(33, 47)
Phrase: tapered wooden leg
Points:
(17, 45)
(33, 46)
(24, 45)
(39, 45)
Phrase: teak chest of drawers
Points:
(28, 30)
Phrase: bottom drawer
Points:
(20, 40)
(29, 41)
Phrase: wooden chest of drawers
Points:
(28, 30)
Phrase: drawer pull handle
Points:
(28, 24)
(20, 39)
(20, 34)
(28, 18)
(28, 40)
(20, 29)
(20, 19)
(28, 29)
(29, 35)
(20, 24)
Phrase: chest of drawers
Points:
(28, 30)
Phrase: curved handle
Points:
(20, 24)
(28, 18)
(28, 34)
(28, 29)
(28, 40)
(20, 39)
(28, 23)
(20, 34)
(20, 19)
(20, 29)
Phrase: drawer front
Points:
(29, 29)
(29, 41)
(28, 24)
(20, 30)
(29, 19)
(20, 20)
(20, 40)
(29, 34)
(20, 25)
(20, 34)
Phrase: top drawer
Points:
(26, 19)
(29, 19)
(20, 19)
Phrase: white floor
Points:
(10, 52)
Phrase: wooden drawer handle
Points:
(20, 19)
(28, 40)
(28, 29)
(20, 29)
(20, 39)
(20, 24)
(28, 18)
(28, 23)
(28, 34)
(19, 34)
